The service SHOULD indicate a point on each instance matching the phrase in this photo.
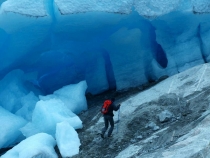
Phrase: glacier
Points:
(110, 44)
(54, 52)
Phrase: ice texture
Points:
(130, 58)
(201, 6)
(12, 90)
(67, 139)
(204, 38)
(109, 44)
(154, 8)
(79, 6)
(40, 145)
(77, 47)
(47, 114)
(28, 103)
(73, 97)
(25, 7)
(10, 125)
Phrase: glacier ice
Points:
(110, 44)
(67, 139)
(201, 6)
(32, 8)
(47, 114)
(182, 38)
(153, 8)
(39, 145)
(204, 38)
(23, 112)
(47, 45)
(12, 90)
(131, 62)
(28, 104)
(10, 125)
(73, 97)
(80, 6)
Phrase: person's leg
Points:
(106, 123)
(111, 121)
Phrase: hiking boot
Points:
(102, 135)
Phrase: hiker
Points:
(108, 116)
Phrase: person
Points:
(108, 118)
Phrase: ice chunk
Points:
(47, 114)
(67, 139)
(28, 104)
(40, 145)
(73, 96)
(9, 129)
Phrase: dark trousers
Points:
(108, 120)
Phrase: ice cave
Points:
(54, 52)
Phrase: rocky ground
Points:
(144, 133)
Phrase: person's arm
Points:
(115, 108)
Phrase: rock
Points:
(133, 141)
(139, 137)
(153, 126)
(111, 147)
(165, 116)
(169, 99)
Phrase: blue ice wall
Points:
(110, 44)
